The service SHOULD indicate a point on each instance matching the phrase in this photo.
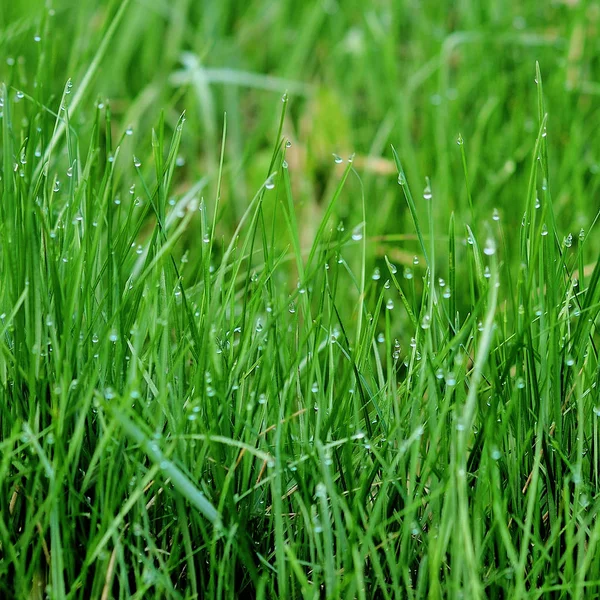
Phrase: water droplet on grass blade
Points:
(137, 162)
(427, 194)
(490, 247)
(270, 182)
(337, 159)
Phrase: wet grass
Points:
(239, 360)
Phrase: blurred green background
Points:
(360, 77)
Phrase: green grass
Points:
(299, 349)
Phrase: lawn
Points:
(299, 299)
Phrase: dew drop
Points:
(490, 247)
(427, 195)
(270, 182)
(357, 233)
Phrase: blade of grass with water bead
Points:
(463, 156)
(411, 204)
(453, 324)
(409, 311)
(325, 219)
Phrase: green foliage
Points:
(243, 354)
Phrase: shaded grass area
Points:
(234, 365)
